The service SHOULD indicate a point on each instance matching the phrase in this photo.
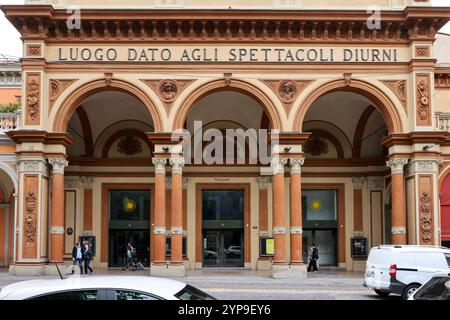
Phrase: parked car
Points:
(438, 288)
(402, 269)
(103, 288)
(233, 250)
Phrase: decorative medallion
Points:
(33, 97)
(129, 146)
(129, 205)
(316, 205)
(423, 117)
(426, 222)
(168, 90)
(399, 88)
(56, 87)
(316, 145)
(287, 90)
(30, 218)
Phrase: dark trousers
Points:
(86, 266)
(312, 265)
(80, 262)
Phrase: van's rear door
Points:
(377, 270)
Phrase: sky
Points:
(11, 45)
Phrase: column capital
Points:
(430, 166)
(375, 182)
(296, 164)
(358, 182)
(397, 164)
(264, 182)
(398, 230)
(278, 164)
(34, 164)
(58, 164)
(177, 164)
(87, 182)
(160, 165)
(71, 182)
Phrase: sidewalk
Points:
(238, 284)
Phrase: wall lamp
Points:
(427, 147)
(165, 149)
(287, 149)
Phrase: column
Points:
(279, 213)
(263, 183)
(398, 200)
(296, 211)
(57, 207)
(159, 230)
(176, 224)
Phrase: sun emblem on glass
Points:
(316, 205)
(129, 205)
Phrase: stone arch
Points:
(233, 85)
(382, 102)
(71, 103)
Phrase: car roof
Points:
(414, 248)
(164, 288)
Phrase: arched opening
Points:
(345, 144)
(7, 219)
(222, 240)
(109, 131)
(233, 85)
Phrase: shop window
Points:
(319, 205)
(169, 246)
(130, 205)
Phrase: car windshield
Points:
(435, 289)
(191, 293)
(447, 257)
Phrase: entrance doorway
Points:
(223, 228)
(320, 225)
(129, 221)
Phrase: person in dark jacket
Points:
(314, 256)
(77, 257)
(87, 257)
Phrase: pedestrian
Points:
(314, 256)
(87, 256)
(130, 256)
(77, 257)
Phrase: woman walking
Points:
(87, 256)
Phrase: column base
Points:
(263, 265)
(168, 270)
(38, 270)
(288, 271)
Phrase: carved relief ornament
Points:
(168, 90)
(396, 165)
(423, 116)
(287, 90)
(30, 218)
(56, 87)
(33, 96)
(398, 87)
(426, 221)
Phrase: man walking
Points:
(77, 257)
(314, 256)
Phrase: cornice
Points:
(43, 22)
(21, 136)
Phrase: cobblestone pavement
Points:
(252, 285)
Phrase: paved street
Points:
(251, 285)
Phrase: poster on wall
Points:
(359, 247)
(267, 247)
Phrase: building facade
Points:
(351, 101)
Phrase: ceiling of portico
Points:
(226, 106)
(343, 110)
(104, 110)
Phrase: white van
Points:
(402, 269)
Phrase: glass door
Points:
(140, 239)
(223, 248)
(325, 241)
